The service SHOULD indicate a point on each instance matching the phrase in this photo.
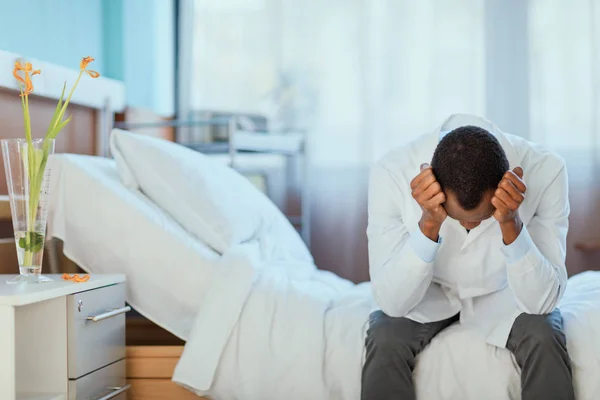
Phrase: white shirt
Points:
(475, 274)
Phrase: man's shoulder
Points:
(402, 160)
(536, 158)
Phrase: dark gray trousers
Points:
(537, 342)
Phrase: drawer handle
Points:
(116, 391)
(109, 314)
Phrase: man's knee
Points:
(539, 330)
(392, 335)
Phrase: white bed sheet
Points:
(262, 332)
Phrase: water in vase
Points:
(30, 252)
(27, 172)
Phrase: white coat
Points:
(471, 273)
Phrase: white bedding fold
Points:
(279, 346)
(217, 319)
(303, 338)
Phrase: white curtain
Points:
(360, 75)
(564, 73)
(365, 75)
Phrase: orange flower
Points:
(26, 80)
(18, 68)
(85, 61)
(83, 66)
(75, 278)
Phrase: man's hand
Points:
(507, 199)
(428, 193)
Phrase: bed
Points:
(261, 328)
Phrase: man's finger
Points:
(516, 180)
(506, 199)
(425, 173)
(422, 182)
(430, 192)
(519, 172)
(510, 188)
(424, 166)
(435, 201)
(499, 205)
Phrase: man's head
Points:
(469, 163)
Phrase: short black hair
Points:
(469, 161)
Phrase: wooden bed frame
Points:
(149, 371)
(152, 354)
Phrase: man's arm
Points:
(400, 257)
(535, 259)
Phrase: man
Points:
(479, 237)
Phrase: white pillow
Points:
(108, 229)
(210, 200)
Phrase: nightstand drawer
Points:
(106, 383)
(95, 329)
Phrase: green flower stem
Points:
(28, 256)
(36, 166)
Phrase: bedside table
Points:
(63, 340)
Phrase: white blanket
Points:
(301, 337)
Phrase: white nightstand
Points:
(63, 340)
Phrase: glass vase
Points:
(27, 176)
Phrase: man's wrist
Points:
(430, 228)
(511, 230)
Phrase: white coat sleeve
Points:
(400, 259)
(536, 267)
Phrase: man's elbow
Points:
(395, 312)
(543, 305)
(542, 298)
(391, 305)
(537, 309)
